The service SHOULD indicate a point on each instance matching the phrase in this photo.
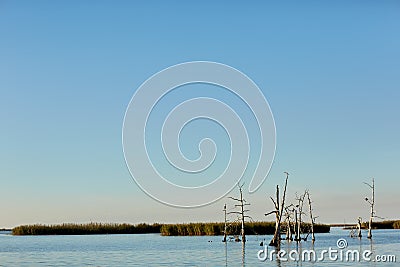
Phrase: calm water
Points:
(155, 250)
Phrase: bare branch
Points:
(234, 212)
(368, 184)
(271, 212)
(284, 196)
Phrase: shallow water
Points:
(156, 250)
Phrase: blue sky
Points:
(329, 70)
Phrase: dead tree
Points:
(242, 211)
(371, 203)
(288, 212)
(296, 222)
(298, 213)
(359, 227)
(311, 216)
(224, 240)
(278, 213)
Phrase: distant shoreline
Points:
(181, 229)
(389, 224)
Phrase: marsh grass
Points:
(251, 228)
(389, 224)
(396, 225)
(86, 229)
(186, 229)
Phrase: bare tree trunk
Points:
(372, 210)
(275, 240)
(311, 217)
(299, 225)
(371, 203)
(288, 224)
(359, 227)
(370, 228)
(278, 214)
(296, 234)
(289, 230)
(300, 212)
(242, 210)
(284, 197)
(224, 240)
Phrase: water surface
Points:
(156, 250)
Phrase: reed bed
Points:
(389, 224)
(186, 229)
(216, 228)
(86, 229)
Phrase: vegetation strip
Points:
(86, 229)
(188, 229)
(260, 228)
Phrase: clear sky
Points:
(330, 71)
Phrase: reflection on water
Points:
(243, 253)
(226, 254)
(292, 253)
(155, 250)
(243, 258)
(278, 261)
